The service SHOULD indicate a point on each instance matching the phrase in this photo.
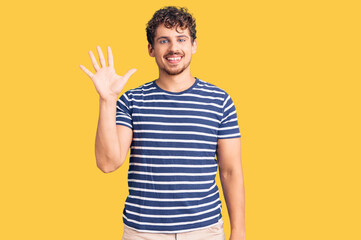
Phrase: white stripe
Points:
(179, 95)
(172, 174)
(171, 191)
(121, 101)
(126, 97)
(168, 182)
(175, 215)
(172, 208)
(230, 114)
(143, 89)
(169, 157)
(169, 224)
(173, 140)
(229, 107)
(176, 124)
(174, 116)
(172, 199)
(206, 90)
(177, 109)
(173, 165)
(124, 123)
(207, 85)
(175, 149)
(147, 84)
(226, 128)
(176, 101)
(124, 116)
(176, 132)
(231, 120)
(230, 135)
(226, 100)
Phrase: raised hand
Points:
(107, 83)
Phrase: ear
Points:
(194, 46)
(150, 50)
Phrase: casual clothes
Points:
(214, 232)
(172, 165)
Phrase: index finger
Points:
(110, 57)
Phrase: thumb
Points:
(129, 73)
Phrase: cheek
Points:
(158, 60)
(158, 54)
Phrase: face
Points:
(172, 50)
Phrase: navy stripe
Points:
(172, 165)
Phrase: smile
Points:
(174, 59)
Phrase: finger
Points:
(101, 57)
(89, 73)
(110, 57)
(94, 61)
(129, 73)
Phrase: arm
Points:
(230, 169)
(112, 142)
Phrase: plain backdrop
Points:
(292, 69)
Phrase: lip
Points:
(173, 61)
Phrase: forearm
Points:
(234, 194)
(107, 150)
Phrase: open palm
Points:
(107, 83)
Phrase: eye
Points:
(163, 41)
(182, 40)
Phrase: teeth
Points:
(174, 59)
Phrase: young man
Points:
(174, 127)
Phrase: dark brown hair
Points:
(171, 17)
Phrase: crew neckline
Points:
(177, 93)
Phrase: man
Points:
(174, 127)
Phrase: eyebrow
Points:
(179, 36)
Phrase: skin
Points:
(113, 141)
(231, 175)
(173, 77)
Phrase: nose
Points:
(173, 47)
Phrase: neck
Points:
(175, 83)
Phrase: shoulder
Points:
(146, 86)
(211, 88)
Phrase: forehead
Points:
(162, 31)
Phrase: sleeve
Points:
(123, 111)
(228, 127)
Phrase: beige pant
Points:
(214, 232)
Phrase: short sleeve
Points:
(228, 127)
(123, 111)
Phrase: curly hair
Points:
(171, 16)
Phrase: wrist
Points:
(240, 235)
(108, 99)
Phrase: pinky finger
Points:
(89, 73)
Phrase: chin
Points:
(173, 71)
(176, 71)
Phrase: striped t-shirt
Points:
(172, 165)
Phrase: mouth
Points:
(174, 59)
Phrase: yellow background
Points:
(291, 67)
